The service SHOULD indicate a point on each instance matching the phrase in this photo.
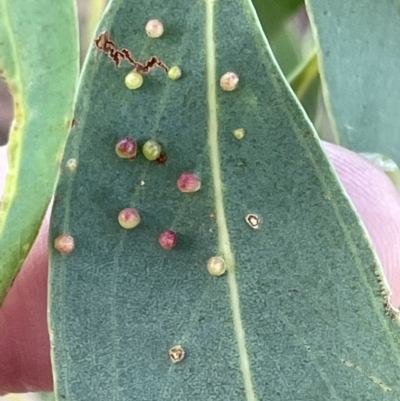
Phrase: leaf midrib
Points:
(223, 234)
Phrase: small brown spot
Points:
(213, 215)
(253, 221)
(74, 123)
(162, 158)
(176, 353)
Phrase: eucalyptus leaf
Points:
(39, 59)
(359, 55)
(299, 314)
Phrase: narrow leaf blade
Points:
(39, 59)
(359, 57)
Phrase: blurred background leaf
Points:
(359, 58)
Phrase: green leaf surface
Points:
(359, 57)
(39, 59)
(298, 316)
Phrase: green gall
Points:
(151, 150)
(167, 239)
(229, 81)
(126, 148)
(134, 80)
(238, 133)
(64, 243)
(188, 182)
(154, 28)
(128, 218)
(174, 72)
(216, 266)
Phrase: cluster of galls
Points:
(129, 218)
(186, 182)
(127, 149)
(134, 79)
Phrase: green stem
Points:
(302, 77)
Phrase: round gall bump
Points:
(188, 182)
(176, 353)
(238, 133)
(134, 80)
(216, 266)
(253, 221)
(174, 73)
(151, 150)
(64, 243)
(229, 81)
(154, 28)
(167, 239)
(71, 164)
(126, 148)
(128, 218)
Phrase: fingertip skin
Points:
(24, 341)
(378, 204)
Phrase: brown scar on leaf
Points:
(386, 294)
(74, 123)
(162, 158)
(392, 311)
(106, 45)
